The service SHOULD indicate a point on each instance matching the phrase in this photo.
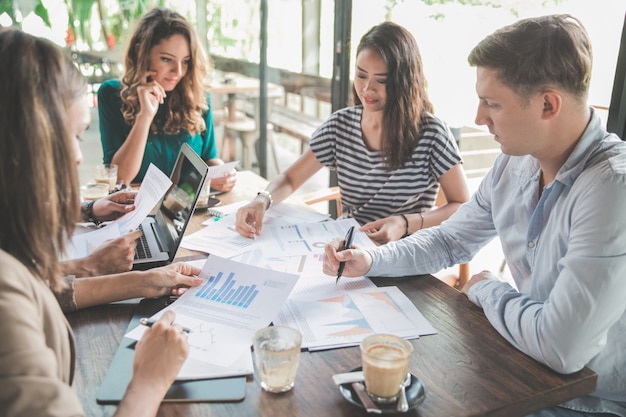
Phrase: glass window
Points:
(447, 32)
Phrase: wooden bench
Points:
(294, 123)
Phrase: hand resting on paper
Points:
(172, 279)
(357, 261)
(249, 218)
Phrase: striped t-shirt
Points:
(368, 190)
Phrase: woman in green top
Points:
(161, 102)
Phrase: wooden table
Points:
(467, 368)
(234, 83)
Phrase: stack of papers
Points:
(223, 314)
(344, 318)
(329, 315)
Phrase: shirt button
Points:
(531, 244)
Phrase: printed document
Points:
(343, 318)
(224, 313)
(153, 187)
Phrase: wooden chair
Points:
(461, 278)
(327, 194)
(333, 194)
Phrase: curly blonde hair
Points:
(186, 103)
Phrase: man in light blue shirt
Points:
(556, 198)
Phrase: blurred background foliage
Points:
(88, 21)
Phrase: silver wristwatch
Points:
(268, 197)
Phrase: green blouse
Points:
(161, 149)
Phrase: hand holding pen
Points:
(346, 245)
(150, 322)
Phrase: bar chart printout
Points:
(226, 291)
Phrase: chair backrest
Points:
(326, 194)
(459, 280)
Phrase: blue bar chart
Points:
(227, 292)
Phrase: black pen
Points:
(149, 323)
(346, 245)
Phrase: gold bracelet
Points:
(422, 223)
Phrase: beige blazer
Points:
(37, 348)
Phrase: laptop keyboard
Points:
(142, 251)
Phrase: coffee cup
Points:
(276, 357)
(94, 191)
(385, 359)
(204, 195)
(106, 174)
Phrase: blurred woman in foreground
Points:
(42, 113)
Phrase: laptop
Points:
(163, 231)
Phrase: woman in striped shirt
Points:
(389, 151)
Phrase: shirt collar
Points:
(584, 150)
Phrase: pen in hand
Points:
(346, 245)
(150, 323)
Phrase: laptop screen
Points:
(179, 201)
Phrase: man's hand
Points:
(357, 261)
(483, 275)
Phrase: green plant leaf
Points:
(42, 12)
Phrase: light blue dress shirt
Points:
(566, 252)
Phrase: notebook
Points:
(163, 231)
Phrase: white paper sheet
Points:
(225, 312)
(218, 171)
(282, 238)
(343, 318)
(309, 267)
(153, 188)
(219, 236)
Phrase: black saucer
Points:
(212, 202)
(415, 394)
